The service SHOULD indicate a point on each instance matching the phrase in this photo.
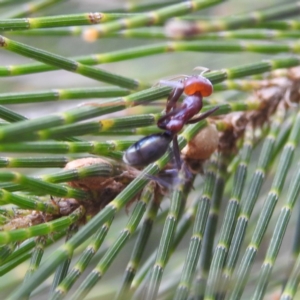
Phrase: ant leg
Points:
(203, 116)
(176, 151)
(169, 114)
(164, 120)
(187, 173)
(173, 98)
(171, 109)
(175, 93)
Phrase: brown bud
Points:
(88, 183)
(203, 145)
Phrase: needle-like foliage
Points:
(80, 82)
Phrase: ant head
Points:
(191, 84)
(198, 84)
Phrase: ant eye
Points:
(198, 84)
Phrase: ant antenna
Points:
(204, 70)
(170, 80)
(174, 84)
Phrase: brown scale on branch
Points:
(273, 94)
(26, 218)
(102, 189)
(23, 219)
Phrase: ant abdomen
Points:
(148, 149)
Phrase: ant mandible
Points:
(152, 147)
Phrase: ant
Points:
(152, 147)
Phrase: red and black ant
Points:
(152, 147)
